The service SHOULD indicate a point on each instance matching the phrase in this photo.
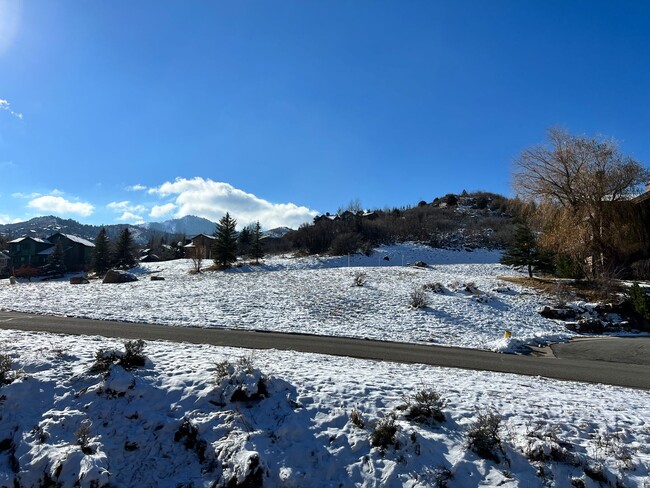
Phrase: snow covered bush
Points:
(424, 406)
(188, 434)
(436, 287)
(359, 278)
(132, 357)
(483, 436)
(467, 287)
(83, 437)
(240, 382)
(543, 445)
(6, 374)
(418, 299)
(385, 433)
(357, 418)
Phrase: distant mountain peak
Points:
(189, 225)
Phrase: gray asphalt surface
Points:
(564, 367)
(630, 350)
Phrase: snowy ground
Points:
(173, 422)
(316, 295)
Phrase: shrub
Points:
(436, 287)
(637, 299)
(104, 359)
(356, 418)
(188, 433)
(131, 358)
(359, 278)
(133, 355)
(240, 382)
(345, 243)
(426, 405)
(5, 370)
(567, 267)
(83, 437)
(223, 369)
(483, 435)
(27, 271)
(418, 298)
(641, 269)
(385, 433)
(471, 288)
(544, 445)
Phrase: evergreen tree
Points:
(524, 252)
(224, 250)
(257, 247)
(55, 265)
(244, 240)
(101, 255)
(124, 255)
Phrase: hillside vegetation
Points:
(468, 220)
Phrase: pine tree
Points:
(101, 255)
(244, 240)
(56, 261)
(524, 252)
(124, 255)
(257, 247)
(224, 251)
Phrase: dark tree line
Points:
(107, 255)
(229, 243)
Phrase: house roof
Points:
(36, 239)
(641, 198)
(78, 240)
(3, 256)
(203, 235)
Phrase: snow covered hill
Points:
(210, 416)
(79, 411)
(469, 305)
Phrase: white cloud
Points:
(126, 206)
(5, 105)
(158, 211)
(26, 195)
(60, 206)
(5, 219)
(31, 196)
(131, 218)
(7, 164)
(136, 187)
(129, 212)
(212, 199)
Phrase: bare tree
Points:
(198, 255)
(583, 186)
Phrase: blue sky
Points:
(121, 111)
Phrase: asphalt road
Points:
(630, 350)
(564, 367)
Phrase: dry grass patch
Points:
(581, 289)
